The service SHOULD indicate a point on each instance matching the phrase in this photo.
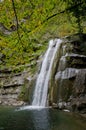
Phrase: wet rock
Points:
(54, 105)
(80, 83)
(0, 102)
(78, 104)
(69, 77)
(26, 92)
(61, 105)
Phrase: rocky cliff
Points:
(68, 83)
(15, 87)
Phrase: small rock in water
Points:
(62, 105)
(0, 102)
(66, 110)
(54, 105)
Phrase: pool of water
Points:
(39, 119)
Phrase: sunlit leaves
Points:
(34, 28)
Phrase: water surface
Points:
(39, 119)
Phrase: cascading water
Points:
(41, 88)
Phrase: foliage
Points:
(77, 10)
(38, 21)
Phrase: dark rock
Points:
(80, 83)
(78, 104)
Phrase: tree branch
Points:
(54, 15)
(61, 12)
(68, 9)
(17, 25)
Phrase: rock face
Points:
(68, 84)
(15, 87)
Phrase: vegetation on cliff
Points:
(27, 25)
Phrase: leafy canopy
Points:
(36, 21)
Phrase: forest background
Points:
(26, 26)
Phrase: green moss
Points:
(23, 94)
(68, 58)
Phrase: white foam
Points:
(30, 108)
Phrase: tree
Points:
(78, 11)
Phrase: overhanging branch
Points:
(61, 12)
(17, 25)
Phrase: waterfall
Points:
(41, 88)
